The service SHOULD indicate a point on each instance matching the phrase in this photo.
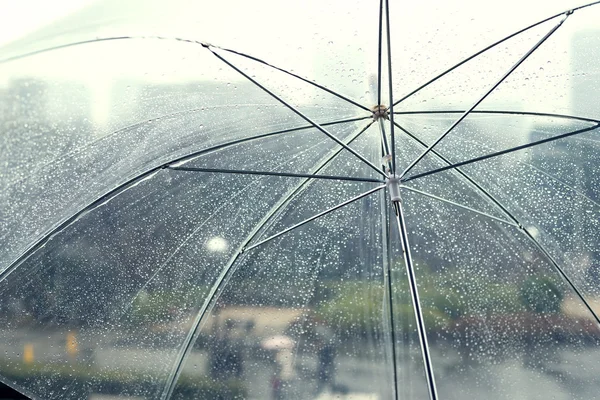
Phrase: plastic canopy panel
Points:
(301, 201)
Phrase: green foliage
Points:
(481, 298)
(445, 296)
(461, 295)
(541, 294)
(124, 383)
(404, 316)
(357, 308)
(449, 304)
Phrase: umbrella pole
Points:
(394, 191)
(387, 269)
(414, 292)
(387, 281)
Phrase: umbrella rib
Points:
(548, 175)
(500, 112)
(442, 74)
(443, 200)
(560, 270)
(66, 45)
(487, 93)
(414, 292)
(297, 112)
(501, 152)
(390, 89)
(270, 173)
(379, 52)
(316, 216)
(95, 40)
(228, 269)
(133, 181)
(515, 220)
(336, 94)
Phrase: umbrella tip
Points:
(380, 111)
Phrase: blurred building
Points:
(571, 163)
(585, 77)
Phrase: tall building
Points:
(571, 163)
(585, 77)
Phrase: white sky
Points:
(333, 41)
(21, 17)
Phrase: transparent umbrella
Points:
(408, 192)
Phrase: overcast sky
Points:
(330, 41)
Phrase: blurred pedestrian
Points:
(326, 370)
(325, 357)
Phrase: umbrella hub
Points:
(393, 187)
(380, 111)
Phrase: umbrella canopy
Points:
(408, 192)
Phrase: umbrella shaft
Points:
(414, 292)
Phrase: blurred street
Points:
(508, 376)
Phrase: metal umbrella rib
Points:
(228, 269)
(551, 177)
(137, 178)
(190, 41)
(487, 93)
(298, 112)
(272, 173)
(511, 216)
(380, 51)
(432, 196)
(388, 284)
(316, 216)
(475, 55)
(317, 85)
(500, 112)
(526, 113)
(500, 153)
